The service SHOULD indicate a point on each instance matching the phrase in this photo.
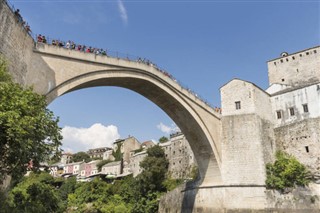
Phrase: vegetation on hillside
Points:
(80, 156)
(137, 195)
(286, 172)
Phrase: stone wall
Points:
(240, 200)
(300, 199)
(302, 140)
(17, 46)
(180, 157)
(247, 147)
(296, 69)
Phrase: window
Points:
(307, 53)
(282, 80)
(238, 105)
(305, 108)
(279, 114)
(281, 60)
(291, 110)
(293, 58)
(307, 149)
(315, 51)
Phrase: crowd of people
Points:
(20, 20)
(71, 45)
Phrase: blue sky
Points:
(204, 44)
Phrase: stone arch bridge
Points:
(72, 70)
(64, 70)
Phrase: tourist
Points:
(73, 45)
(68, 45)
(39, 38)
(27, 27)
(17, 14)
(44, 40)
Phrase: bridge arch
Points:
(184, 108)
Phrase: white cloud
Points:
(82, 139)
(123, 12)
(168, 129)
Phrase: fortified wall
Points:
(296, 69)
(17, 45)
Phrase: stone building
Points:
(178, 153)
(74, 168)
(180, 156)
(247, 140)
(112, 168)
(147, 144)
(286, 117)
(135, 159)
(295, 100)
(107, 155)
(98, 152)
(90, 168)
(126, 146)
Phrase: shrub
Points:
(286, 172)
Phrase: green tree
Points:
(163, 139)
(147, 204)
(68, 186)
(171, 183)
(35, 194)
(286, 172)
(155, 167)
(117, 154)
(28, 130)
(90, 194)
(80, 156)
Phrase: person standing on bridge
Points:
(17, 14)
